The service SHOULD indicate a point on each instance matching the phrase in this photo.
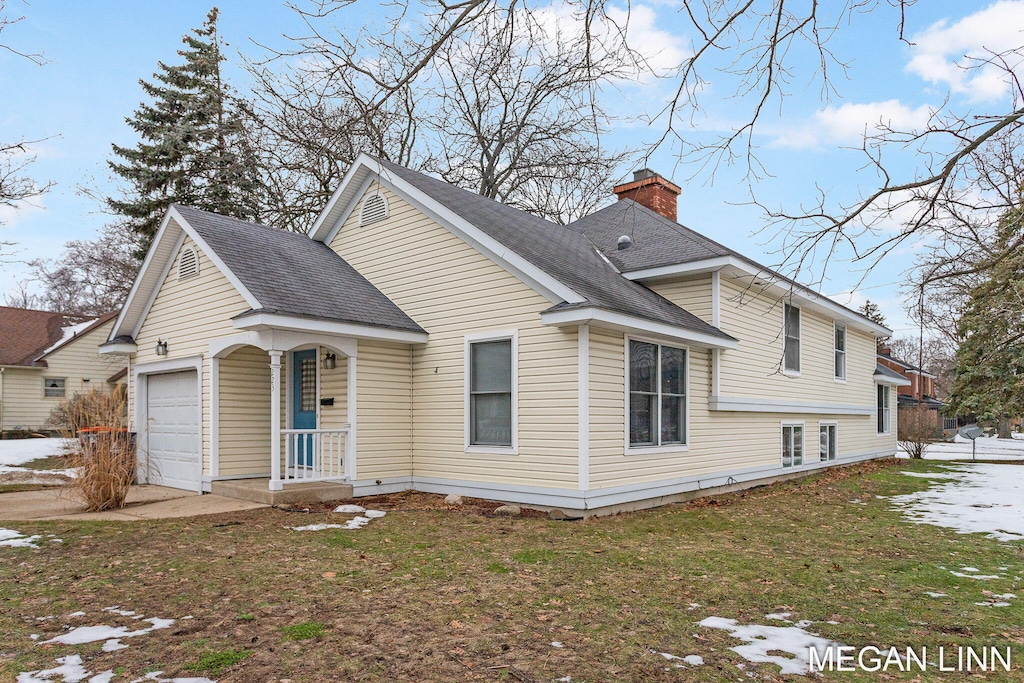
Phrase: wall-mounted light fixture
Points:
(161, 347)
(330, 361)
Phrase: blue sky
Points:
(98, 51)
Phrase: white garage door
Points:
(172, 401)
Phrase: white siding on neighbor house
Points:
(22, 401)
(753, 370)
(452, 291)
(244, 413)
(187, 314)
(719, 441)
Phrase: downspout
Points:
(1, 400)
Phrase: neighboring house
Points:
(426, 337)
(46, 357)
(920, 386)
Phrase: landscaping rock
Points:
(508, 511)
(562, 515)
(453, 499)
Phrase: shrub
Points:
(916, 428)
(99, 445)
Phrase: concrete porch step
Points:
(258, 490)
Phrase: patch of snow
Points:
(979, 577)
(693, 606)
(70, 670)
(34, 636)
(763, 639)
(116, 609)
(933, 594)
(565, 679)
(350, 509)
(357, 522)
(834, 623)
(76, 614)
(557, 644)
(92, 634)
(992, 604)
(969, 569)
(155, 676)
(694, 660)
(960, 449)
(803, 623)
(779, 616)
(666, 655)
(375, 514)
(953, 504)
(15, 539)
(21, 451)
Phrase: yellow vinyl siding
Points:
(753, 370)
(383, 411)
(187, 314)
(719, 441)
(452, 290)
(79, 362)
(333, 384)
(692, 294)
(244, 413)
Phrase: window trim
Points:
(659, 449)
(803, 443)
(845, 351)
(799, 338)
(886, 409)
(828, 423)
(469, 340)
(63, 395)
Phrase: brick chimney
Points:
(651, 190)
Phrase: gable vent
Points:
(375, 208)
(188, 263)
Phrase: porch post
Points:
(350, 439)
(275, 421)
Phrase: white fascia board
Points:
(144, 276)
(120, 347)
(763, 405)
(365, 179)
(799, 292)
(534, 277)
(627, 323)
(212, 255)
(269, 321)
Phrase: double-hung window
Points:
(491, 392)
(657, 395)
(882, 410)
(792, 445)
(791, 352)
(828, 440)
(840, 352)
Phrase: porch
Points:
(282, 425)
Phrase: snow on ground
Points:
(16, 539)
(692, 660)
(988, 449)
(764, 639)
(70, 669)
(21, 451)
(357, 522)
(971, 498)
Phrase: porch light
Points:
(330, 361)
(161, 347)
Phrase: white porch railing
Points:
(314, 455)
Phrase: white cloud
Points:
(947, 53)
(848, 123)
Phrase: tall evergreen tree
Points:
(193, 146)
(989, 381)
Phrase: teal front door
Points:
(303, 406)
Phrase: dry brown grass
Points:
(100, 448)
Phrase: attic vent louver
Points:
(375, 208)
(188, 263)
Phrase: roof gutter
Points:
(628, 323)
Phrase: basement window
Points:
(188, 263)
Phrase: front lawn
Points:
(428, 594)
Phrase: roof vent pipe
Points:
(625, 242)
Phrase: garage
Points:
(172, 434)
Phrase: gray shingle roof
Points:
(657, 241)
(565, 254)
(290, 274)
(889, 373)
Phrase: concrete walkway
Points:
(144, 502)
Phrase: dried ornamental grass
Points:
(100, 447)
